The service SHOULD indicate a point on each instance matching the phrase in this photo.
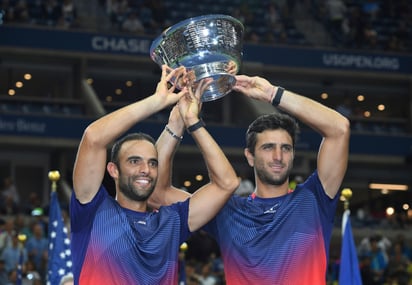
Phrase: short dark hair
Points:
(273, 121)
(129, 137)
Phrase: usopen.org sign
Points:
(354, 61)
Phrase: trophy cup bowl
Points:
(210, 46)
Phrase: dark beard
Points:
(268, 179)
(126, 188)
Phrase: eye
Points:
(267, 146)
(287, 148)
(135, 161)
(153, 163)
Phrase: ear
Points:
(112, 169)
(249, 157)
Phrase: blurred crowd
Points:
(23, 236)
(367, 24)
(381, 25)
(382, 260)
(49, 13)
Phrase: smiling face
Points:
(137, 169)
(273, 157)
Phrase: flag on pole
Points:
(59, 263)
(349, 273)
(182, 272)
(182, 264)
(20, 265)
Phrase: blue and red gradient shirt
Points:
(283, 240)
(114, 245)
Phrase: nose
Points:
(277, 153)
(144, 168)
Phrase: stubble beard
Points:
(128, 189)
(270, 179)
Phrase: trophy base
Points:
(222, 81)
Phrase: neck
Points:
(271, 191)
(137, 206)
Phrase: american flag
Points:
(59, 262)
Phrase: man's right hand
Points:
(165, 90)
(190, 104)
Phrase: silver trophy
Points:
(209, 46)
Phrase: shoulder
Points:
(178, 207)
(312, 183)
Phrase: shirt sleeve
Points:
(82, 215)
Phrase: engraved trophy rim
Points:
(170, 30)
(208, 55)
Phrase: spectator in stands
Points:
(40, 217)
(21, 225)
(52, 12)
(336, 13)
(132, 24)
(4, 278)
(9, 190)
(398, 265)
(146, 17)
(68, 17)
(403, 242)
(7, 234)
(37, 248)
(383, 242)
(159, 14)
(7, 11)
(69, 13)
(117, 9)
(246, 186)
(353, 27)
(8, 207)
(11, 254)
(29, 276)
(190, 271)
(366, 272)
(363, 217)
(34, 202)
(273, 18)
(36, 12)
(16, 11)
(378, 261)
(206, 276)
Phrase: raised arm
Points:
(89, 167)
(333, 127)
(206, 202)
(168, 142)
